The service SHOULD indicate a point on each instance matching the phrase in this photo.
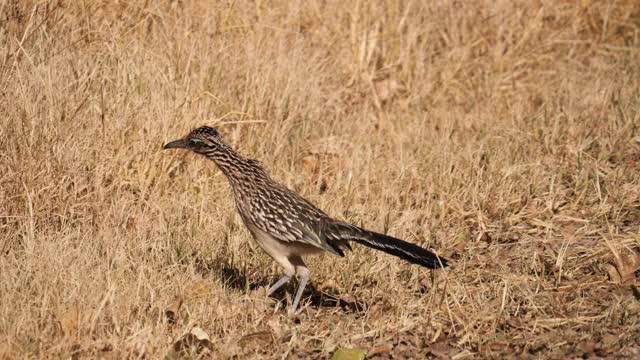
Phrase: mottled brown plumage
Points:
(283, 223)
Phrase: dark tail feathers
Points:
(396, 247)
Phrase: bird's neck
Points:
(239, 170)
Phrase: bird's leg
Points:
(283, 280)
(303, 277)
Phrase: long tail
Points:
(396, 247)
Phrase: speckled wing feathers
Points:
(288, 217)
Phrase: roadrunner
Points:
(285, 225)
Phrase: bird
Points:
(283, 223)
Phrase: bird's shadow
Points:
(321, 299)
(229, 275)
(234, 278)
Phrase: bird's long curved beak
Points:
(177, 144)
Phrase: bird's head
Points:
(202, 140)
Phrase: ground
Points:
(502, 135)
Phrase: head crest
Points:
(206, 130)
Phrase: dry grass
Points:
(502, 134)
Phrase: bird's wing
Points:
(289, 217)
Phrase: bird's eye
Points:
(194, 143)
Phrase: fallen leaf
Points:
(196, 341)
(425, 283)
(587, 346)
(626, 266)
(609, 341)
(440, 349)
(496, 346)
(348, 298)
(200, 334)
(260, 337)
(379, 350)
(614, 276)
(485, 237)
(349, 354)
(387, 89)
(327, 285)
(172, 311)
